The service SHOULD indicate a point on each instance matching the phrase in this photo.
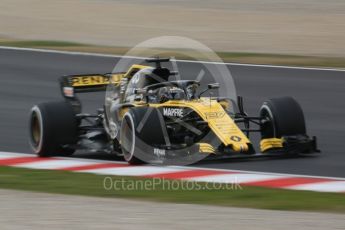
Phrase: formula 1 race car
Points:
(149, 117)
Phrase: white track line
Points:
(142, 58)
(5, 155)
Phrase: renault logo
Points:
(235, 138)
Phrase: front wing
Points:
(300, 145)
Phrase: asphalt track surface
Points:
(28, 77)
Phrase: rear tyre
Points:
(52, 125)
(141, 129)
(282, 117)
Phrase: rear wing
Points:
(70, 85)
(73, 84)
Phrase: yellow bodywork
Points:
(206, 148)
(210, 110)
(218, 120)
(134, 69)
(271, 143)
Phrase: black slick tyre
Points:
(141, 130)
(282, 117)
(52, 126)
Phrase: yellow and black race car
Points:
(149, 118)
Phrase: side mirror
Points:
(213, 86)
(209, 87)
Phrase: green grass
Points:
(92, 185)
(236, 57)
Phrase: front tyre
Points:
(128, 139)
(141, 130)
(282, 117)
(52, 126)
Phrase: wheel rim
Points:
(127, 137)
(267, 128)
(36, 129)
